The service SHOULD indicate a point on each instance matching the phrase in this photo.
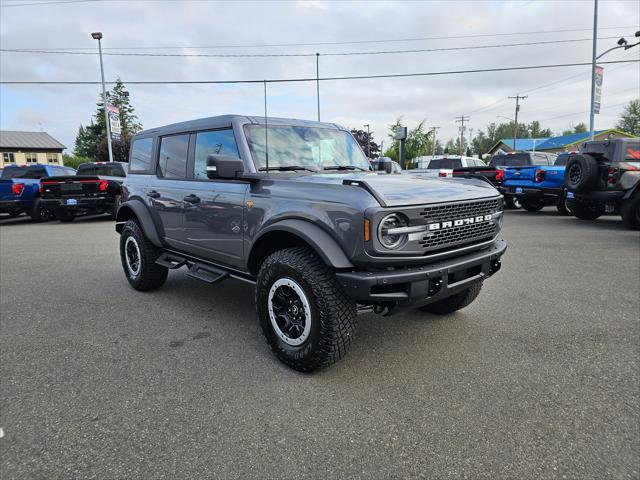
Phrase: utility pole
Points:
(515, 128)
(98, 36)
(593, 68)
(433, 140)
(318, 82)
(368, 141)
(461, 119)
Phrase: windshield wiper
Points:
(289, 168)
(344, 167)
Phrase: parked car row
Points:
(48, 191)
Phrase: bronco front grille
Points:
(462, 234)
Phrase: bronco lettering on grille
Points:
(459, 222)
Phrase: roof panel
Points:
(24, 140)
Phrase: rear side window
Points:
(60, 171)
(216, 142)
(13, 172)
(172, 162)
(21, 172)
(141, 154)
(445, 163)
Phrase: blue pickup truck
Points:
(20, 189)
(538, 186)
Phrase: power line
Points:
(48, 3)
(329, 54)
(581, 113)
(352, 42)
(314, 79)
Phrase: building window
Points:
(52, 158)
(31, 157)
(9, 157)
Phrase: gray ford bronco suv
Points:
(293, 207)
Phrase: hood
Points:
(407, 189)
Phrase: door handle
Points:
(153, 194)
(192, 198)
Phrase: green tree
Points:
(74, 161)
(579, 128)
(536, 131)
(629, 121)
(418, 143)
(365, 140)
(91, 140)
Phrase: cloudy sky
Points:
(558, 97)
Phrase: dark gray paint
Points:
(208, 229)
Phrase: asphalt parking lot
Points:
(539, 378)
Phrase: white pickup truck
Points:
(443, 165)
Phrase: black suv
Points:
(605, 173)
(292, 207)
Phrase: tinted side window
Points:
(173, 156)
(212, 143)
(35, 173)
(141, 153)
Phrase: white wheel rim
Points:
(289, 311)
(132, 256)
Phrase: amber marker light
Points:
(367, 230)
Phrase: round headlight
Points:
(391, 221)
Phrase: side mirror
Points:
(385, 164)
(224, 166)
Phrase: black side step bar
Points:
(198, 270)
(171, 261)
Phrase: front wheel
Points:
(512, 203)
(138, 256)
(585, 210)
(305, 316)
(630, 211)
(533, 205)
(454, 302)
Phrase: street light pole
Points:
(593, 69)
(98, 36)
(368, 141)
(318, 82)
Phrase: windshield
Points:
(106, 170)
(513, 160)
(445, 163)
(309, 147)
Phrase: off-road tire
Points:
(114, 210)
(65, 216)
(630, 211)
(581, 173)
(454, 302)
(533, 205)
(151, 275)
(38, 212)
(332, 317)
(562, 204)
(585, 210)
(512, 203)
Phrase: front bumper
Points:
(89, 204)
(11, 206)
(422, 284)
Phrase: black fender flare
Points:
(139, 210)
(324, 245)
(629, 193)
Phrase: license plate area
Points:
(70, 187)
(72, 201)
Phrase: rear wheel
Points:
(138, 256)
(585, 210)
(581, 173)
(562, 204)
(39, 213)
(533, 205)
(307, 319)
(64, 216)
(630, 211)
(454, 302)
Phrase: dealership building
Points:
(29, 148)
